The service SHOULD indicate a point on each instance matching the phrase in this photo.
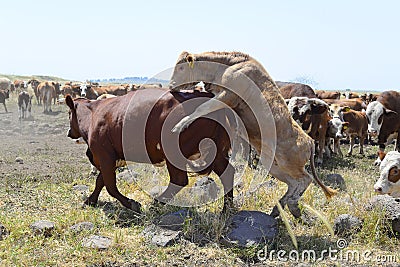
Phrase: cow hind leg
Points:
(178, 180)
(226, 173)
(5, 107)
(352, 141)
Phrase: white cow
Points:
(389, 180)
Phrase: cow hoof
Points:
(89, 202)
(135, 206)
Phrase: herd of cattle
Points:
(324, 117)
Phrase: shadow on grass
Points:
(122, 216)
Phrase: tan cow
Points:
(242, 83)
(47, 92)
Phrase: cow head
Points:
(83, 89)
(376, 113)
(336, 128)
(73, 131)
(389, 180)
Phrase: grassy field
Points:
(42, 189)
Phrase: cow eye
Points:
(394, 175)
(380, 119)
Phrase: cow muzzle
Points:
(373, 133)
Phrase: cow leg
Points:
(109, 178)
(336, 146)
(378, 161)
(226, 173)
(178, 180)
(362, 140)
(352, 141)
(5, 106)
(397, 148)
(94, 197)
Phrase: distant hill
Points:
(37, 77)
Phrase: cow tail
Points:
(329, 192)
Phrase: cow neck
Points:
(84, 117)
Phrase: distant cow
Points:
(354, 104)
(93, 92)
(321, 94)
(5, 84)
(35, 83)
(24, 104)
(289, 90)
(101, 125)
(384, 119)
(311, 115)
(388, 182)
(368, 98)
(350, 95)
(47, 92)
(20, 85)
(4, 94)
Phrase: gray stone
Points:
(81, 188)
(160, 236)
(346, 224)
(336, 180)
(174, 221)
(391, 207)
(251, 228)
(97, 242)
(19, 160)
(82, 226)
(3, 232)
(43, 227)
(204, 190)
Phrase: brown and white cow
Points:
(322, 94)
(34, 84)
(289, 90)
(20, 85)
(389, 179)
(369, 97)
(350, 95)
(24, 104)
(384, 119)
(145, 126)
(93, 92)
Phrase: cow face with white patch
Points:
(336, 128)
(83, 90)
(375, 115)
(389, 180)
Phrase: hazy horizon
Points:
(329, 45)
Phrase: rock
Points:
(42, 227)
(160, 236)
(157, 190)
(97, 242)
(82, 226)
(19, 160)
(251, 228)
(81, 187)
(3, 232)
(204, 190)
(346, 224)
(391, 207)
(174, 221)
(336, 180)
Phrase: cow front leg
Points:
(5, 106)
(352, 141)
(226, 173)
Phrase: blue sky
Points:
(335, 44)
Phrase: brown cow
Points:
(20, 85)
(368, 98)
(354, 104)
(47, 92)
(147, 122)
(289, 90)
(93, 92)
(355, 125)
(322, 94)
(4, 94)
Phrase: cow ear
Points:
(69, 102)
(346, 108)
(345, 125)
(389, 111)
(190, 58)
